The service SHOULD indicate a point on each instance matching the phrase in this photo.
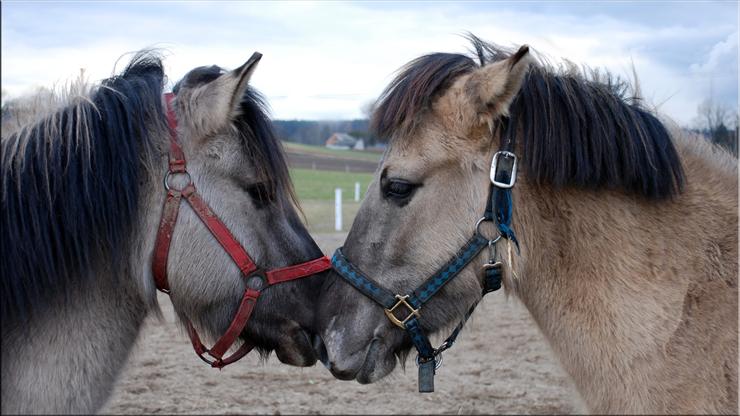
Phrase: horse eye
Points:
(259, 194)
(399, 189)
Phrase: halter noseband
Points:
(256, 279)
(498, 210)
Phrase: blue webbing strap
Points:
(426, 361)
(491, 282)
(458, 262)
(361, 282)
(502, 202)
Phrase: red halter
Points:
(255, 278)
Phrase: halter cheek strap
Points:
(256, 280)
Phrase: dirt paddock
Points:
(501, 364)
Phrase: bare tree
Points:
(711, 115)
(720, 124)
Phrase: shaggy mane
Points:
(576, 127)
(70, 182)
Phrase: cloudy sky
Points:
(325, 60)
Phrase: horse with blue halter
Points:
(617, 231)
(112, 192)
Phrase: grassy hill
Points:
(324, 151)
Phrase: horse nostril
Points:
(320, 349)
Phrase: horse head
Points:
(236, 162)
(435, 169)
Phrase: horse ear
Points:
(240, 77)
(493, 87)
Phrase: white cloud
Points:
(722, 53)
(324, 60)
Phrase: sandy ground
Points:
(501, 364)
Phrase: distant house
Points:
(344, 141)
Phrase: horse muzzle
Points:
(367, 364)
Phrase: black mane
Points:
(264, 148)
(575, 128)
(70, 186)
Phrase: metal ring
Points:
(167, 179)
(437, 360)
(477, 231)
(257, 281)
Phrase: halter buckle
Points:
(506, 166)
(401, 301)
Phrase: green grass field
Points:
(320, 184)
(323, 151)
(315, 190)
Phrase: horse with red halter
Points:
(112, 192)
(617, 231)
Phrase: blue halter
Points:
(499, 209)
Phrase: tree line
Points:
(316, 132)
(719, 124)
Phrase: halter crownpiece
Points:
(256, 279)
(498, 210)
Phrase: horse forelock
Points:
(575, 127)
(71, 180)
(412, 92)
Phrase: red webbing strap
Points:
(200, 349)
(198, 346)
(177, 157)
(164, 238)
(246, 307)
(243, 350)
(237, 324)
(297, 271)
(220, 231)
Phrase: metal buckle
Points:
(511, 169)
(401, 301)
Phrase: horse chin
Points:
(367, 365)
(379, 362)
(295, 346)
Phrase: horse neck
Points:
(67, 356)
(605, 276)
(83, 337)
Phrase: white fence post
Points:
(338, 209)
(357, 191)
